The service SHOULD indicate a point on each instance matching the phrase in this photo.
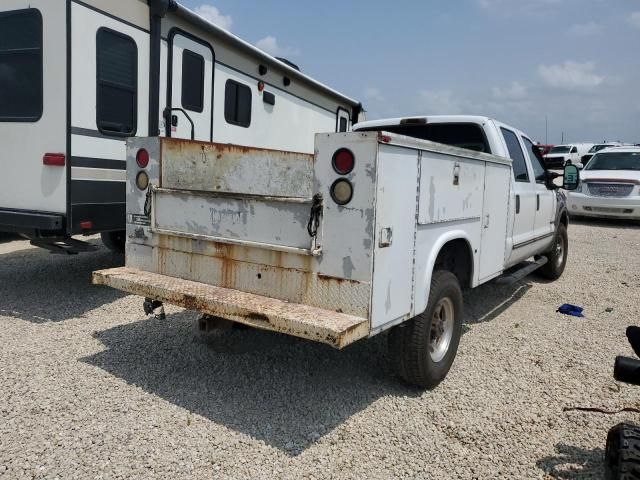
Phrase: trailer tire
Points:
(622, 454)
(422, 352)
(557, 255)
(114, 241)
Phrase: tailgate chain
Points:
(316, 213)
(147, 202)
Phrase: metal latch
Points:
(456, 174)
(386, 237)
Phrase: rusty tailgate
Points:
(325, 326)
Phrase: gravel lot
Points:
(91, 388)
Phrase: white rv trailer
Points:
(77, 78)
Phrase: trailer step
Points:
(515, 275)
(325, 326)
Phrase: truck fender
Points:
(423, 276)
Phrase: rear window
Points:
(117, 83)
(20, 66)
(463, 135)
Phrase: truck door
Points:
(545, 198)
(190, 87)
(525, 199)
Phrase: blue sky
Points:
(576, 62)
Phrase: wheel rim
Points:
(441, 329)
(559, 253)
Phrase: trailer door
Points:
(191, 88)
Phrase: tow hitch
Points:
(150, 306)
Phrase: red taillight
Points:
(54, 159)
(86, 225)
(142, 158)
(343, 161)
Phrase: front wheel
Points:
(114, 241)
(557, 255)
(422, 349)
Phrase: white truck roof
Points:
(431, 118)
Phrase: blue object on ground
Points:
(569, 309)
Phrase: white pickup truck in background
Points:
(379, 230)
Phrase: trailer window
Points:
(20, 66)
(117, 83)
(237, 104)
(192, 81)
(515, 152)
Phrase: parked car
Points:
(595, 149)
(609, 185)
(375, 232)
(544, 148)
(561, 155)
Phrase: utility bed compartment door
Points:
(394, 235)
(255, 221)
(451, 189)
(215, 167)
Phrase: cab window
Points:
(536, 162)
(515, 153)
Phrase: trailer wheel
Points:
(557, 256)
(622, 457)
(114, 241)
(422, 350)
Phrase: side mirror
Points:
(571, 177)
(580, 166)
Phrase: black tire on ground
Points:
(557, 255)
(622, 455)
(114, 241)
(410, 344)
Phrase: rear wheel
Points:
(114, 241)
(422, 350)
(557, 255)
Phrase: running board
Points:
(512, 276)
(298, 320)
(63, 245)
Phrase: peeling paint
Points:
(432, 198)
(347, 267)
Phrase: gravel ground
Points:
(91, 388)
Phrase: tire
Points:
(114, 241)
(410, 344)
(557, 255)
(622, 455)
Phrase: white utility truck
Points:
(376, 231)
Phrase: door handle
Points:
(537, 202)
(517, 204)
(386, 237)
